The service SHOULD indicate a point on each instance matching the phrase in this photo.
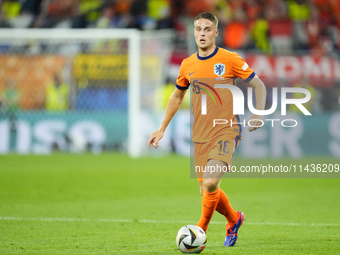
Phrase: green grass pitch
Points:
(111, 204)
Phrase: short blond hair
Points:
(208, 16)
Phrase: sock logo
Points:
(208, 207)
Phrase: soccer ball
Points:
(191, 239)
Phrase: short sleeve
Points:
(182, 82)
(241, 69)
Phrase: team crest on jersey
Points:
(219, 69)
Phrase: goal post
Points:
(147, 57)
(134, 94)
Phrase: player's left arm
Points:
(242, 70)
(260, 95)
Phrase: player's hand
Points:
(256, 122)
(154, 138)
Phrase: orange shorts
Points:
(220, 148)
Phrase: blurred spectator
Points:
(335, 10)
(299, 13)
(11, 8)
(62, 9)
(324, 8)
(10, 15)
(122, 6)
(163, 94)
(260, 35)
(222, 11)
(57, 95)
(31, 6)
(298, 10)
(89, 10)
(280, 26)
(51, 12)
(121, 14)
(116, 15)
(271, 26)
(3, 21)
(275, 10)
(139, 12)
(167, 91)
(314, 28)
(193, 7)
(106, 20)
(236, 32)
(10, 101)
(318, 31)
(158, 9)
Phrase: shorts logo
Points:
(208, 207)
(219, 69)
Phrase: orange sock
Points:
(209, 203)
(224, 208)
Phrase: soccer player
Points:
(214, 146)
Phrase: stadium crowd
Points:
(269, 26)
(272, 27)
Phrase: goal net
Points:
(79, 90)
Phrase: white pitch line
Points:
(166, 221)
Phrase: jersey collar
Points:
(207, 57)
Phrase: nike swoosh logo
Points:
(208, 207)
(221, 154)
(192, 73)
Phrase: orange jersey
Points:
(222, 67)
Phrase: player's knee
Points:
(210, 185)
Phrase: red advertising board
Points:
(321, 71)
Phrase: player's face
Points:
(205, 33)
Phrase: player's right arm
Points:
(174, 103)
